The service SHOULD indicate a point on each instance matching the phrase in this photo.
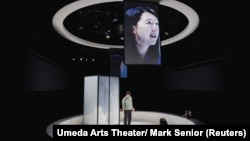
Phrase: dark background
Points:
(207, 72)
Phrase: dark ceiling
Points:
(94, 23)
(221, 33)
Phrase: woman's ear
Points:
(134, 29)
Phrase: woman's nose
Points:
(154, 27)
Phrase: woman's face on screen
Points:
(147, 30)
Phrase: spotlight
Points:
(80, 28)
(107, 37)
(107, 34)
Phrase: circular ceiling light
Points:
(59, 17)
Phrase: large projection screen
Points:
(141, 32)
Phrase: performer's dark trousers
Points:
(127, 117)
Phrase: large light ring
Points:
(57, 21)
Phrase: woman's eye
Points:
(149, 22)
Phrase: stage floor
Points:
(138, 118)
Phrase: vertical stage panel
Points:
(101, 100)
(90, 100)
(114, 101)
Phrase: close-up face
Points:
(147, 30)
